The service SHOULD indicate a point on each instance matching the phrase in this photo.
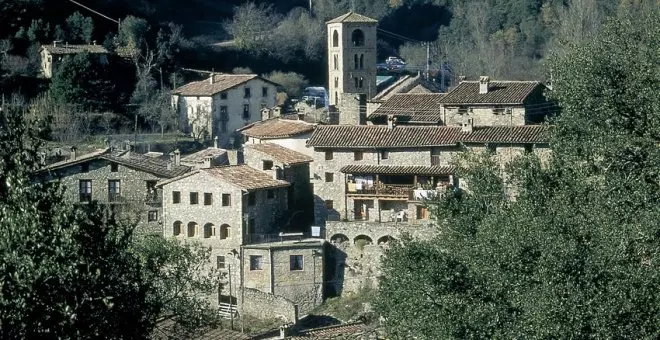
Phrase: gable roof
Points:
(277, 128)
(78, 160)
(241, 176)
(380, 136)
(73, 49)
(352, 17)
(198, 157)
(412, 107)
(156, 166)
(221, 82)
(397, 169)
(499, 92)
(280, 153)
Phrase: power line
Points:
(96, 12)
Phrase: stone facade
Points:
(279, 274)
(485, 116)
(52, 55)
(222, 113)
(266, 306)
(295, 143)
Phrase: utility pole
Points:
(231, 306)
(428, 60)
(310, 8)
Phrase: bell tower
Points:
(351, 65)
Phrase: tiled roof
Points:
(163, 331)
(373, 136)
(397, 169)
(280, 153)
(73, 49)
(499, 92)
(152, 165)
(351, 17)
(198, 157)
(333, 332)
(412, 107)
(78, 160)
(380, 136)
(278, 128)
(245, 177)
(221, 82)
(508, 134)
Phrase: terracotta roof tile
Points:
(332, 332)
(245, 177)
(73, 49)
(397, 169)
(221, 82)
(198, 157)
(499, 92)
(412, 107)
(278, 128)
(79, 159)
(152, 165)
(380, 136)
(352, 17)
(280, 153)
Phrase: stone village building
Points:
(52, 55)
(122, 180)
(289, 133)
(223, 103)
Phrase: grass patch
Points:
(349, 307)
(253, 325)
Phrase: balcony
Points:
(381, 190)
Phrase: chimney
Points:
(215, 142)
(461, 79)
(94, 42)
(483, 84)
(391, 122)
(467, 125)
(73, 153)
(177, 157)
(208, 161)
(212, 78)
(54, 43)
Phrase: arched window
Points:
(336, 98)
(355, 61)
(362, 239)
(336, 61)
(176, 228)
(385, 239)
(356, 80)
(192, 226)
(208, 230)
(338, 238)
(335, 39)
(225, 231)
(360, 82)
(336, 81)
(357, 37)
(361, 61)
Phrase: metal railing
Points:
(395, 190)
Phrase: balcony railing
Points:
(393, 190)
(435, 160)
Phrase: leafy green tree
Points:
(77, 272)
(38, 31)
(79, 28)
(292, 83)
(132, 35)
(576, 254)
(252, 26)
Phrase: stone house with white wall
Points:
(293, 167)
(222, 104)
(490, 102)
(289, 133)
(123, 180)
(52, 55)
(383, 173)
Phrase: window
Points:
(384, 154)
(329, 204)
(270, 193)
(152, 193)
(223, 113)
(296, 262)
(223, 126)
(246, 92)
(176, 197)
(357, 155)
(328, 155)
(336, 61)
(223, 95)
(208, 198)
(492, 147)
(336, 81)
(256, 262)
(361, 61)
(462, 110)
(114, 167)
(355, 61)
(194, 198)
(360, 82)
(250, 226)
(226, 200)
(329, 177)
(246, 111)
(220, 260)
(176, 228)
(264, 91)
(84, 167)
(498, 110)
(85, 190)
(267, 165)
(225, 231)
(335, 39)
(209, 230)
(192, 229)
(152, 216)
(252, 198)
(529, 148)
(114, 190)
(356, 82)
(357, 37)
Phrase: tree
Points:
(77, 272)
(252, 26)
(292, 83)
(132, 34)
(576, 255)
(79, 28)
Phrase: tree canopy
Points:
(576, 254)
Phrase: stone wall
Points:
(485, 116)
(267, 306)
